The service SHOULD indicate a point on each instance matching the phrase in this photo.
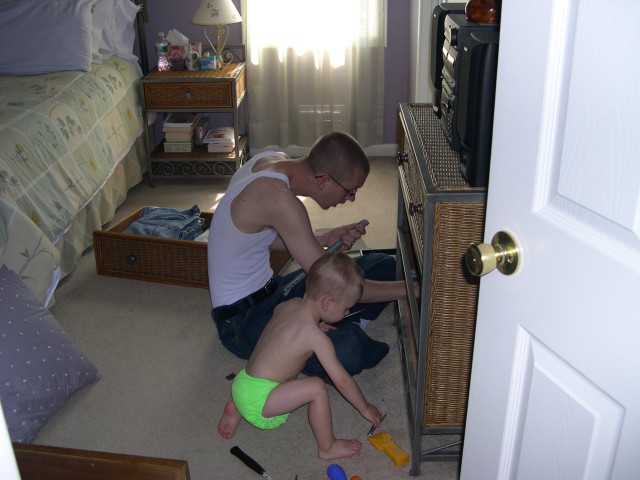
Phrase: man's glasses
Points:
(350, 193)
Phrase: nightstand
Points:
(215, 91)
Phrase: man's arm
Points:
(376, 291)
(268, 203)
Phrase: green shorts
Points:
(249, 395)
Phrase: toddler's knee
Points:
(318, 386)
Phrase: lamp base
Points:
(221, 32)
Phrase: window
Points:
(332, 26)
(314, 67)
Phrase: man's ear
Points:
(321, 180)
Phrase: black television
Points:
(477, 93)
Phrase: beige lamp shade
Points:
(215, 15)
(216, 12)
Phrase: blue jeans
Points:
(354, 348)
(168, 223)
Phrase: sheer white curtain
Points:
(314, 66)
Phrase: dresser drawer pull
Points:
(187, 94)
(132, 259)
(402, 158)
(415, 208)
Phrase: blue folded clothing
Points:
(168, 223)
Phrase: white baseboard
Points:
(383, 150)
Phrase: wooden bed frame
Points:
(41, 462)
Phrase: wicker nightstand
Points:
(217, 91)
(439, 215)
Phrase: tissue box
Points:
(177, 55)
(208, 63)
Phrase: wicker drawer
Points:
(200, 90)
(154, 259)
(187, 95)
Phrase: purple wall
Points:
(164, 15)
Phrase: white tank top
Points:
(239, 262)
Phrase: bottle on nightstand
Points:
(162, 47)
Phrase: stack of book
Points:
(220, 140)
(178, 131)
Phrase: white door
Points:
(555, 384)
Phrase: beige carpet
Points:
(164, 369)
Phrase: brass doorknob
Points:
(503, 254)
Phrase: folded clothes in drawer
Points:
(168, 223)
(157, 259)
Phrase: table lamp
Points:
(216, 15)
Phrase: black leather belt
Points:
(242, 305)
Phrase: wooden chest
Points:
(155, 259)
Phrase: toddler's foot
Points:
(229, 420)
(341, 449)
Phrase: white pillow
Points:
(119, 35)
(102, 15)
(45, 36)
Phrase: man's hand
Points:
(346, 234)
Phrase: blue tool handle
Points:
(336, 472)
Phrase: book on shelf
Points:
(173, 147)
(220, 137)
(180, 119)
(215, 148)
(181, 136)
(178, 129)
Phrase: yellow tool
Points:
(384, 442)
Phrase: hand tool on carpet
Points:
(373, 428)
(249, 462)
(352, 314)
(384, 442)
(333, 248)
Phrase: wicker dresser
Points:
(439, 215)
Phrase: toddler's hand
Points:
(372, 414)
(325, 327)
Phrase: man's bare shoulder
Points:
(262, 203)
(275, 186)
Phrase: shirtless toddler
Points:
(268, 388)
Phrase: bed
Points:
(71, 147)
(70, 130)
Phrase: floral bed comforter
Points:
(70, 148)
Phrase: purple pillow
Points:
(40, 366)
